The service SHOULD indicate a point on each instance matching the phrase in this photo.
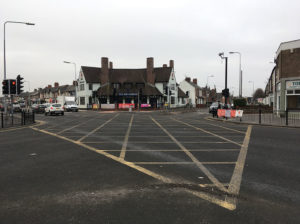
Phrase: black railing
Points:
(289, 117)
(17, 119)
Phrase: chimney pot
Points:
(104, 70)
(165, 65)
(49, 86)
(110, 65)
(56, 84)
(188, 79)
(150, 67)
(172, 63)
(195, 81)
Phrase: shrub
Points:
(241, 102)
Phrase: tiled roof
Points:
(92, 75)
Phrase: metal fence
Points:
(16, 119)
(276, 117)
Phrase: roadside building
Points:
(283, 88)
(196, 96)
(111, 88)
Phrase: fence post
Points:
(33, 117)
(12, 119)
(2, 120)
(22, 117)
(259, 112)
(287, 117)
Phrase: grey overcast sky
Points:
(192, 32)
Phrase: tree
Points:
(259, 93)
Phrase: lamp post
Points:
(4, 52)
(209, 76)
(221, 55)
(68, 62)
(252, 89)
(240, 73)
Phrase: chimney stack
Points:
(195, 81)
(74, 83)
(188, 79)
(56, 84)
(104, 71)
(165, 65)
(150, 74)
(49, 86)
(172, 63)
(110, 65)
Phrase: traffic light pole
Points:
(226, 97)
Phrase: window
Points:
(187, 93)
(297, 91)
(289, 92)
(90, 86)
(82, 100)
(81, 87)
(172, 87)
(127, 85)
(140, 85)
(116, 85)
(172, 100)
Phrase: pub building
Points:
(150, 87)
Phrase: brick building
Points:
(113, 88)
(283, 87)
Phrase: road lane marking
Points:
(96, 129)
(236, 179)
(124, 146)
(193, 158)
(70, 128)
(230, 129)
(173, 150)
(208, 132)
(158, 142)
(203, 195)
(184, 163)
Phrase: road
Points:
(91, 167)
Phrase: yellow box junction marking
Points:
(96, 129)
(229, 202)
(124, 146)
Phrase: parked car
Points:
(16, 107)
(38, 108)
(55, 109)
(214, 106)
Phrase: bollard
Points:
(259, 112)
(2, 121)
(33, 117)
(286, 117)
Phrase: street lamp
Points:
(221, 55)
(209, 76)
(68, 62)
(4, 52)
(240, 75)
(252, 88)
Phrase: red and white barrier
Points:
(229, 113)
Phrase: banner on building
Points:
(145, 105)
(126, 105)
(107, 106)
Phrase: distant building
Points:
(193, 91)
(283, 88)
(109, 87)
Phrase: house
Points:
(194, 92)
(111, 88)
(283, 87)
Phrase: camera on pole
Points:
(19, 84)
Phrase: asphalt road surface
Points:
(91, 167)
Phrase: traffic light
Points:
(5, 88)
(12, 86)
(225, 92)
(19, 84)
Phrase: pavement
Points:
(91, 167)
